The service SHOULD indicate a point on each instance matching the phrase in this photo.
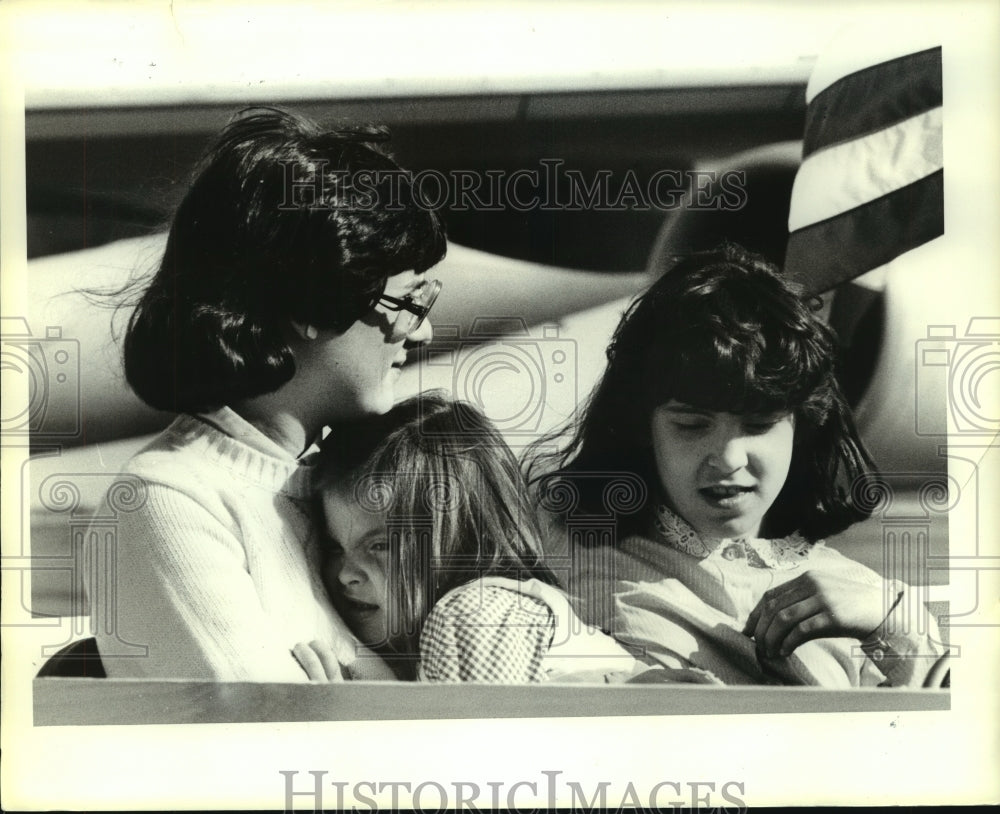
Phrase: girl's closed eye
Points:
(691, 427)
(756, 424)
(687, 419)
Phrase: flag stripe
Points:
(880, 163)
(873, 98)
(825, 254)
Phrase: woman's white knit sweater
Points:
(217, 569)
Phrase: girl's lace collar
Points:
(779, 554)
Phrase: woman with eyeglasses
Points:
(293, 284)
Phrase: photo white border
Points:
(890, 758)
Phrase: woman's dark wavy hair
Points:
(284, 221)
(721, 330)
(453, 492)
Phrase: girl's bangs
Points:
(729, 389)
(750, 376)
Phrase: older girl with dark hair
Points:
(721, 396)
(291, 289)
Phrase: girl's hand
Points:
(814, 606)
(318, 660)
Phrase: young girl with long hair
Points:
(721, 396)
(434, 560)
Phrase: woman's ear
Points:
(305, 330)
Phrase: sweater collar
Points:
(231, 423)
(229, 441)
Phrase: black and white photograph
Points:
(499, 405)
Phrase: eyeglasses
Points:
(416, 305)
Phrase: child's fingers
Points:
(331, 666)
(772, 603)
(310, 661)
(776, 600)
(812, 627)
(771, 638)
